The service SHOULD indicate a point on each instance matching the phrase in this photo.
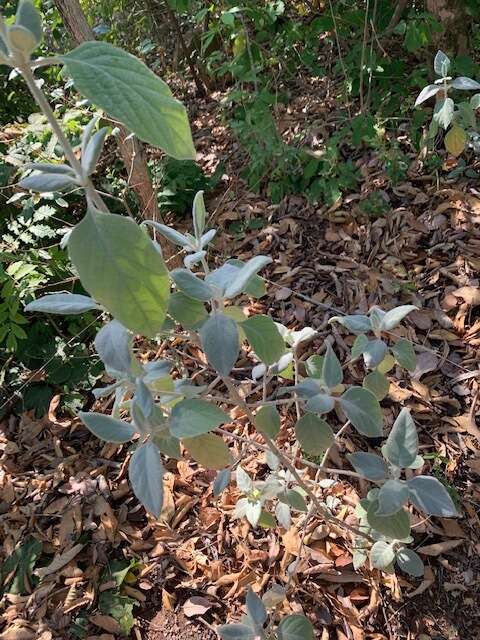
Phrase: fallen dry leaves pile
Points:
(90, 551)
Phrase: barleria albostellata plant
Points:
(125, 275)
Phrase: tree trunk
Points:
(131, 150)
(453, 17)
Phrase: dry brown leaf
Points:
(59, 561)
(196, 606)
(439, 547)
(107, 623)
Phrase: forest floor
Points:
(189, 571)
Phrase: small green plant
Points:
(457, 119)
(162, 411)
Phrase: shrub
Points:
(123, 271)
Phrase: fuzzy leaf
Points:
(220, 341)
(63, 303)
(401, 447)
(209, 450)
(429, 495)
(193, 417)
(363, 410)
(314, 434)
(146, 477)
(107, 428)
(129, 92)
(369, 465)
(264, 338)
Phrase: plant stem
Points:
(44, 105)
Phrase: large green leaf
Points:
(194, 417)
(263, 336)
(209, 450)
(401, 447)
(146, 477)
(120, 267)
(186, 311)
(395, 526)
(107, 428)
(220, 341)
(363, 410)
(429, 495)
(295, 627)
(381, 555)
(129, 92)
(410, 562)
(267, 420)
(314, 434)
(369, 465)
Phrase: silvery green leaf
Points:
(376, 316)
(199, 214)
(272, 461)
(283, 515)
(377, 383)
(381, 555)
(258, 371)
(465, 84)
(245, 273)
(191, 285)
(404, 354)
(187, 311)
(244, 482)
(475, 101)
(29, 17)
(296, 337)
(401, 447)
(167, 444)
(50, 168)
(143, 397)
(392, 318)
(295, 627)
(209, 450)
(156, 370)
(207, 237)
(87, 133)
(220, 278)
(359, 345)
(47, 182)
(283, 363)
(427, 92)
(395, 526)
(92, 152)
(193, 417)
(253, 512)
(443, 112)
(320, 403)
(332, 373)
(429, 495)
(220, 342)
(264, 338)
(255, 608)
(194, 258)
(410, 562)
(129, 92)
(359, 557)
(314, 366)
(363, 410)
(255, 287)
(267, 420)
(392, 496)
(119, 266)
(368, 465)
(355, 324)
(21, 39)
(221, 482)
(270, 488)
(170, 234)
(146, 477)
(63, 303)
(374, 352)
(113, 345)
(417, 463)
(107, 428)
(187, 389)
(236, 631)
(274, 596)
(441, 64)
(307, 388)
(294, 499)
(103, 392)
(314, 434)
